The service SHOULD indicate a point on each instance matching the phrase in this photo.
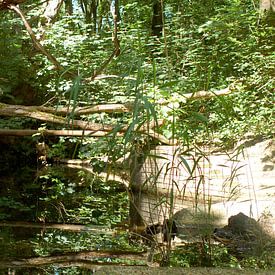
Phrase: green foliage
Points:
(215, 256)
(79, 198)
(13, 62)
(9, 205)
(227, 48)
(206, 45)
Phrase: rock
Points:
(193, 226)
(243, 236)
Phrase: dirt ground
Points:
(109, 270)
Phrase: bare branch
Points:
(207, 94)
(101, 108)
(67, 227)
(37, 44)
(97, 128)
(32, 112)
(80, 257)
(64, 133)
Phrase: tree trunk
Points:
(157, 22)
(69, 7)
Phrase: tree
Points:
(201, 49)
(157, 18)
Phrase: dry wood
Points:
(67, 227)
(65, 133)
(207, 94)
(48, 114)
(102, 108)
(86, 257)
(32, 112)
(104, 175)
(266, 5)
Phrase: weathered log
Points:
(207, 94)
(67, 227)
(104, 175)
(44, 132)
(101, 108)
(32, 112)
(86, 257)
(203, 95)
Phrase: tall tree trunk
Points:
(157, 22)
(69, 7)
(118, 18)
(94, 13)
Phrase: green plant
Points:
(199, 254)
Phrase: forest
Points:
(88, 88)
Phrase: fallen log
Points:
(100, 108)
(44, 132)
(33, 112)
(207, 94)
(92, 257)
(107, 176)
(67, 227)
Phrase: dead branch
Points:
(67, 227)
(85, 257)
(207, 94)
(32, 112)
(11, 5)
(91, 129)
(36, 43)
(104, 175)
(106, 76)
(97, 128)
(60, 133)
(203, 95)
(101, 108)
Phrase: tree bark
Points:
(157, 19)
(69, 7)
(33, 112)
(104, 108)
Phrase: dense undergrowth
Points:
(204, 46)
